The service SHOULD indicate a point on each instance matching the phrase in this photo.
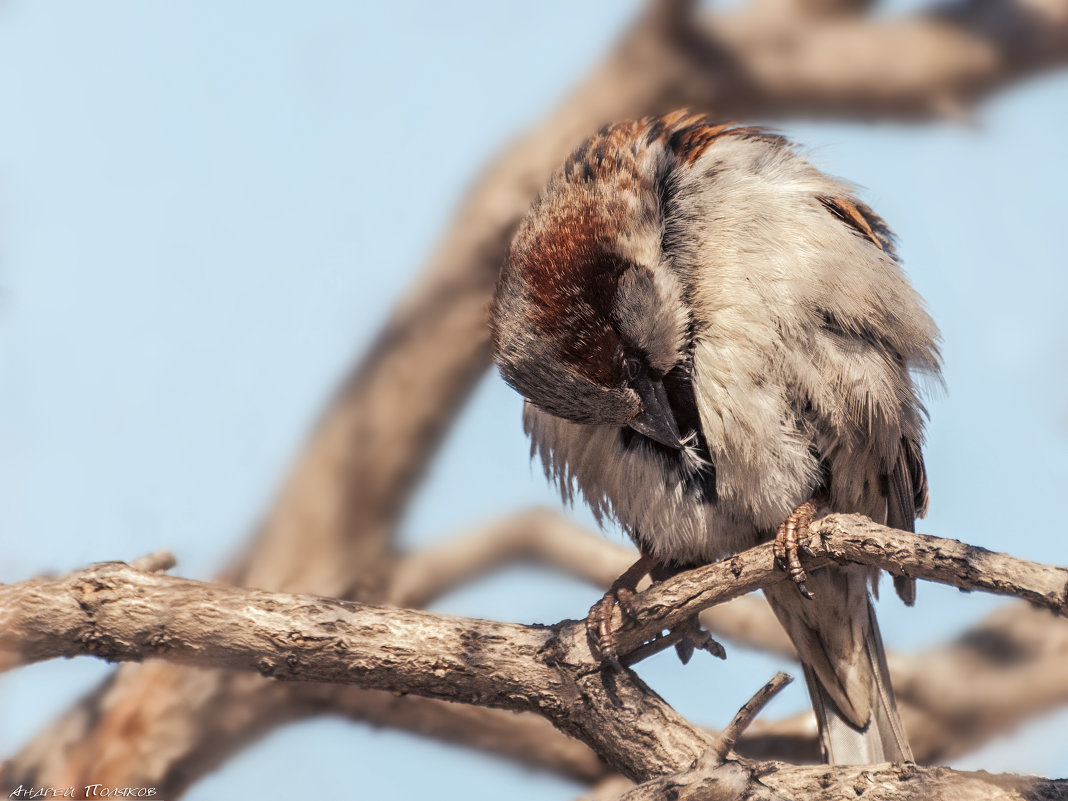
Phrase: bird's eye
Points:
(631, 366)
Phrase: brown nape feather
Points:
(691, 143)
(606, 156)
(689, 135)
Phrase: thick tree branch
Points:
(1013, 660)
(47, 617)
(116, 611)
(121, 613)
(742, 780)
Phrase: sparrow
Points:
(717, 344)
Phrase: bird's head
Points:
(588, 318)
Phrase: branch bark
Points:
(118, 612)
(114, 610)
(844, 538)
(1013, 659)
(742, 780)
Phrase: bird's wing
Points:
(906, 500)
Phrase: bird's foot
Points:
(687, 637)
(621, 594)
(692, 637)
(793, 536)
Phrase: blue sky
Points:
(207, 209)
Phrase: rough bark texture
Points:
(125, 613)
(119, 613)
(775, 781)
(846, 538)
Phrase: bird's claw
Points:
(620, 594)
(697, 637)
(687, 637)
(792, 537)
(599, 625)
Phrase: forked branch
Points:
(118, 612)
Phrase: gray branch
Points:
(845, 538)
(743, 780)
(121, 613)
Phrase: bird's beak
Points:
(656, 420)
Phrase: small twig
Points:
(729, 736)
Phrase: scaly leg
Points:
(599, 620)
(791, 536)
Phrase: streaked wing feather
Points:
(906, 500)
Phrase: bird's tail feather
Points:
(838, 642)
(883, 739)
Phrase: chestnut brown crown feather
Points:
(587, 317)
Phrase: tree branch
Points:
(1013, 659)
(117, 612)
(83, 613)
(742, 780)
(729, 736)
(844, 539)
(936, 63)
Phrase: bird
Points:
(717, 344)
